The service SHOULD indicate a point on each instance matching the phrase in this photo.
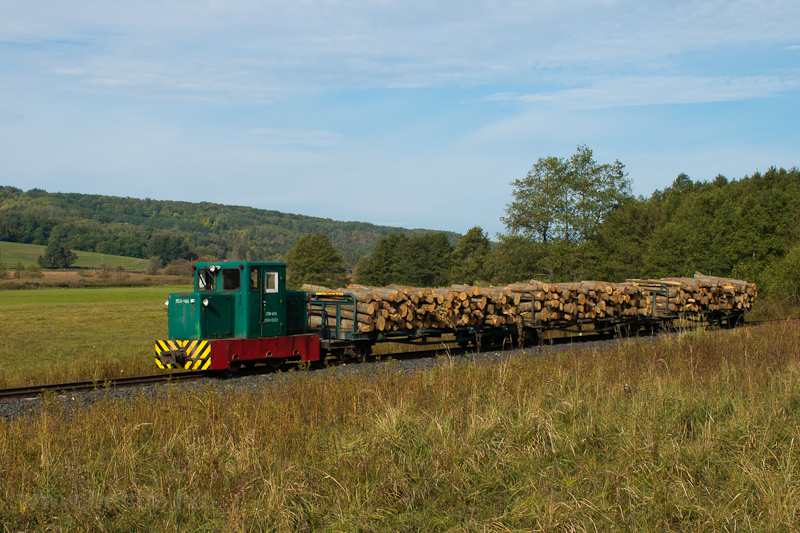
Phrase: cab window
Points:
(254, 280)
(270, 282)
(231, 279)
(206, 281)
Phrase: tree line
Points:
(570, 218)
(747, 228)
(573, 219)
(427, 260)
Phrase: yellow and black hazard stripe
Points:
(189, 355)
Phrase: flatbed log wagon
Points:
(240, 313)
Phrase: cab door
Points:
(273, 303)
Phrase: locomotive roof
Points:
(234, 264)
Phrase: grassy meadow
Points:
(697, 431)
(60, 335)
(12, 253)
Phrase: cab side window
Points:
(254, 278)
(206, 281)
(231, 279)
(270, 282)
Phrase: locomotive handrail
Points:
(657, 290)
(344, 299)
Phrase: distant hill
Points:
(125, 226)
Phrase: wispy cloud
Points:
(260, 51)
(163, 95)
(657, 90)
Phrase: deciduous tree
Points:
(383, 266)
(313, 259)
(421, 261)
(424, 261)
(153, 266)
(470, 257)
(57, 255)
(560, 204)
(168, 247)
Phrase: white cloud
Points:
(168, 98)
(251, 50)
(656, 90)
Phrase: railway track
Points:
(770, 320)
(77, 386)
(34, 391)
(175, 377)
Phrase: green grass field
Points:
(60, 335)
(12, 253)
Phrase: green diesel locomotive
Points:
(240, 313)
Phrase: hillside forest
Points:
(170, 230)
(568, 219)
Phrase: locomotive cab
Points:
(238, 313)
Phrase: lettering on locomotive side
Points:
(184, 300)
(270, 316)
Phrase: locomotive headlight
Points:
(205, 302)
(166, 302)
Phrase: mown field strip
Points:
(13, 253)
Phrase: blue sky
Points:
(412, 113)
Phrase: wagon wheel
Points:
(624, 330)
(735, 321)
(362, 353)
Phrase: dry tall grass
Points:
(694, 432)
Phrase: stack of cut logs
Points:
(592, 300)
(395, 308)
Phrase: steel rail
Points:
(769, 320)
(78, 386)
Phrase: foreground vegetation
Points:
(693, 432)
